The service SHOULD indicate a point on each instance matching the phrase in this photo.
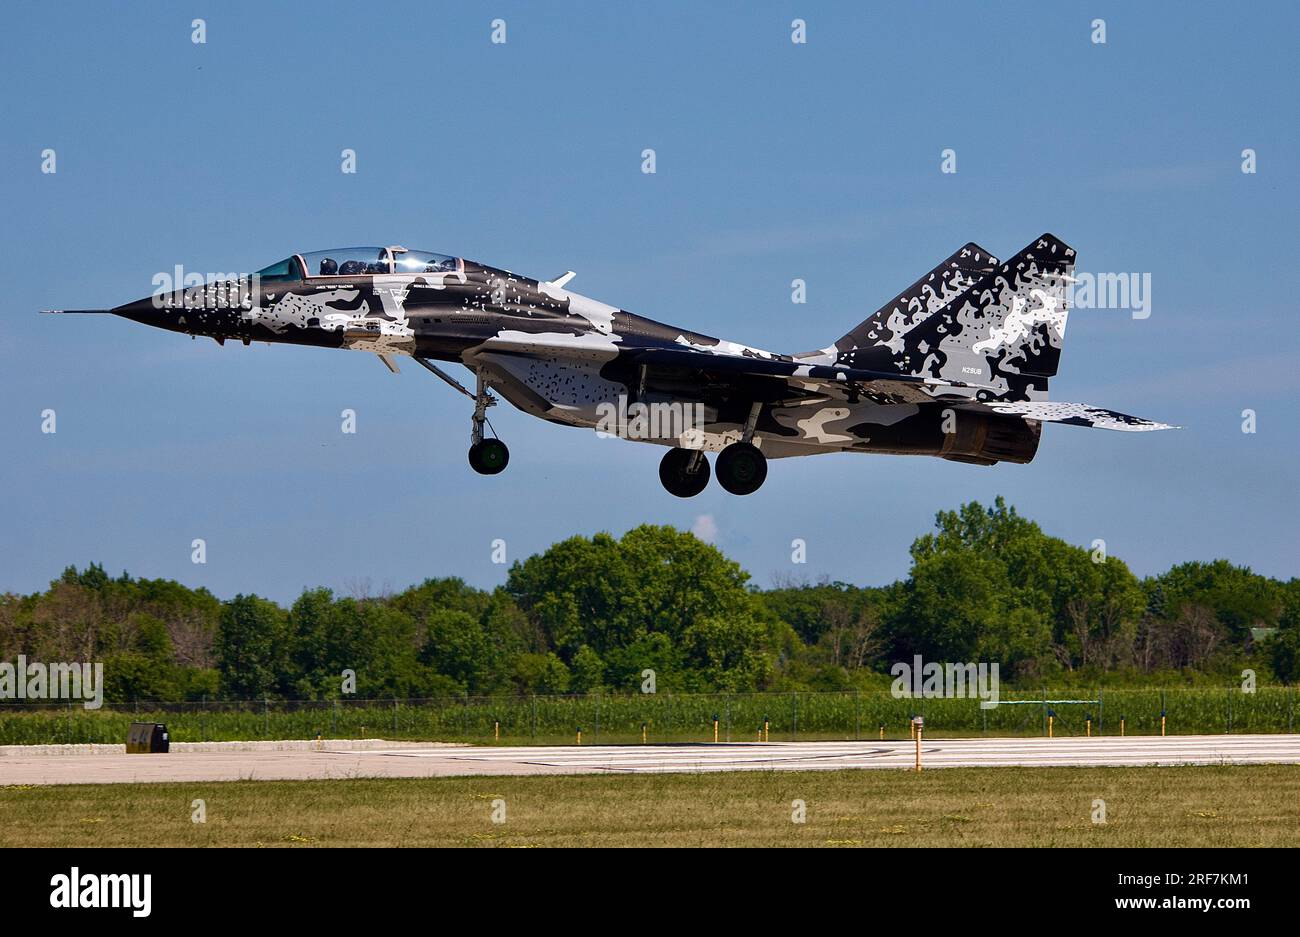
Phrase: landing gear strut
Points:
(684, 472)
(486, 456)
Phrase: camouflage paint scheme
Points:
(955, 366)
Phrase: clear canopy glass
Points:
(347, 262)
(359, 261)
(425, 262)
(286, 269)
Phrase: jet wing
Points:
(879, 386)
(792, 378)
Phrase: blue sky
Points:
(774, 161)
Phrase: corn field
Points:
(668, 717)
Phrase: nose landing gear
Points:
(486, 456)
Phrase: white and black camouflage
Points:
(956, 366)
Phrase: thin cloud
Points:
(705, 528)
(1146, 178)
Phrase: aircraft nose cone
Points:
(152, 311)
(187, 312)
(147, 311)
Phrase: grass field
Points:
(1189, 806)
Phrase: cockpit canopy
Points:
(360, 261)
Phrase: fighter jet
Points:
(956, 366)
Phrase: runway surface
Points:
(443, 761)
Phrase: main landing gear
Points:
(684, 472)
(741, 468)
(487, 456)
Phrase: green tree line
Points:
(587, 614)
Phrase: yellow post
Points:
(913, 724)
(1050, 720)
(496, 730)
(643, 733)
(1162, 725)
(715, 730)
(882, 733)
(1089, 727)
(1121, 726)
(917, 727)
(579, 736)
(765, 727)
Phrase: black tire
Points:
(489, 456)
(741, 468)
(675, 475)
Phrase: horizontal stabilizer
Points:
(1072, 414)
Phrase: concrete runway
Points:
(416, 761)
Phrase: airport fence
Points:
(665, 717)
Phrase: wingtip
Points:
(1148, 426)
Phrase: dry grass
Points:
(1190, 806)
